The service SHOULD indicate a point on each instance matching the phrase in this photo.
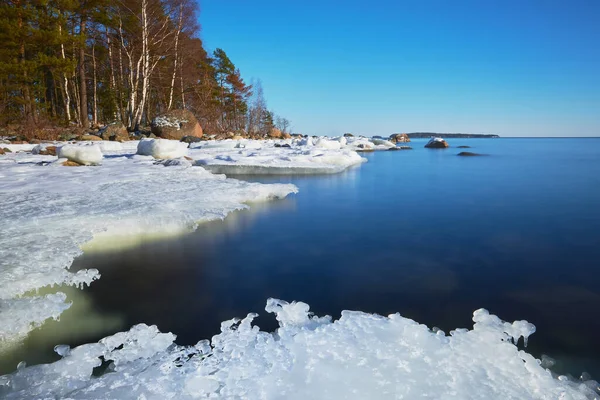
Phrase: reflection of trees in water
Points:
(81, 323)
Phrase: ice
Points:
(323, 143)
(81, 154)
(162, 148)
(358, 356)
(287, 157)
(49, 211)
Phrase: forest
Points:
(91, 62)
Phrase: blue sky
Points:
(516, 68)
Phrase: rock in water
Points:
(468, 154)
(399, 138)
(437, 143)
(175, 125)
(464, 147)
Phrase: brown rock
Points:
(437, 143)
(275, 133)
(115, 132)
(399, 138)
(2, 151)
(176, 124)
(48, 151)
(238, 137)
(70, 163)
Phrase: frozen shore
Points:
(52, 210)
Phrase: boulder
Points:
(175, 125)
(2, 151)
(399, 138)
(115, 132)
(437, 143)
(44, 151)
(464, 147)
(468, 154)
(275, 133)
(405, 147)
(348, 135)
(70, 163)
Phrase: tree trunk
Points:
(85, 122)
(95, 92)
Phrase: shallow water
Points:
(421, 232)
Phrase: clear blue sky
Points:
(516, 68)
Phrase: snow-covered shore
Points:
(48, 211)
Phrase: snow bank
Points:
(359, 356)
(162, 148)
(48, 212)
(81, 154)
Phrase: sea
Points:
(422, 232)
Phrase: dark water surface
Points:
(423, 232)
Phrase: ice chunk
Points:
(162, 148)
(359, 356)
(324, 143)
(81, 154)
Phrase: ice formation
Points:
(162, 148)
(359, 356)
(48, 211)
(274, 157)
(81, 154)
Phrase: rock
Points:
(395, 148)
(468, 154)
(175, 125)
(87, 138)
(238, 137)
(437, 143)
(115, 132)
(348, 135)
(399, 138)
(463, 147)
(282, 145)
(286, 136)
(70, 163)
(190, 139)
(48, 151)
(2, 151)
(405, 148)
(275, 133)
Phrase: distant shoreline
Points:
(427, 135)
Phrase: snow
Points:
(48, 211)
(162, 148)
(81, 154)
(358, 356)
(233, 157)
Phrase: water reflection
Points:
(81, 323)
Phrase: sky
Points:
(374, 67)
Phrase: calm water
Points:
(423, 232)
